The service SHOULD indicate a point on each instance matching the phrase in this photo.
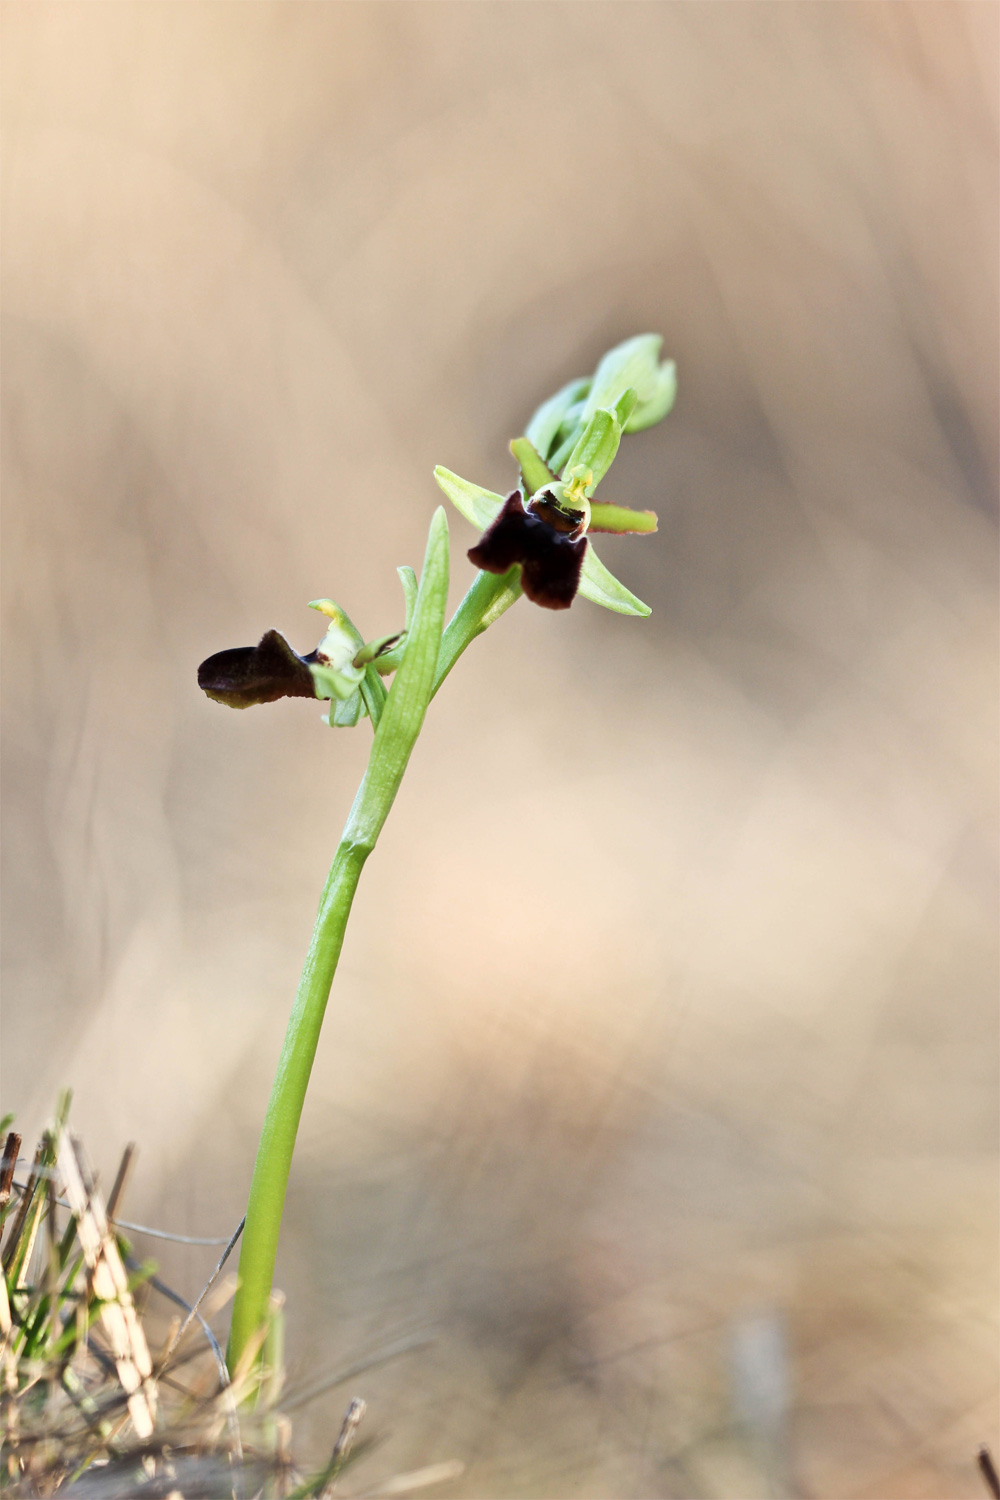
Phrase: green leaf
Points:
(477, 505)
(602, 587)
(543, 429)
(488, 596)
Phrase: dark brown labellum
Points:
(550, 558)
(247, 675)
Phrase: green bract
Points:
(659, 402)
(634, 363)
(557, 417)
(558, 424)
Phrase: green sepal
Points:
(478, 506)
(557, 459)
(341, 633)
(596, 446)
(600, 586)
(345, 712)
(543, 429)
(373, 693)
(329, 683)
(633, 364)
(336, 675)
(482, 507)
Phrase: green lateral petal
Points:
(477, 505)
(618, 518)
(371, 650)
(602, 587)
(534, 471)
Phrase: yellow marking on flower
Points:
(328, 608)
(575, 492)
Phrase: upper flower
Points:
(568, 447)
(547, 541)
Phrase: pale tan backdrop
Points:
(656, 1108)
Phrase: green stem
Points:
(489, 595)
(399, 724)
(288, 1092)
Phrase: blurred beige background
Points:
(654, 1124)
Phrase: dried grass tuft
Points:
(105, 1391)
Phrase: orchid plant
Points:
(536, 542)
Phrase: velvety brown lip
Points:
(550, 559)
(245, 675)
